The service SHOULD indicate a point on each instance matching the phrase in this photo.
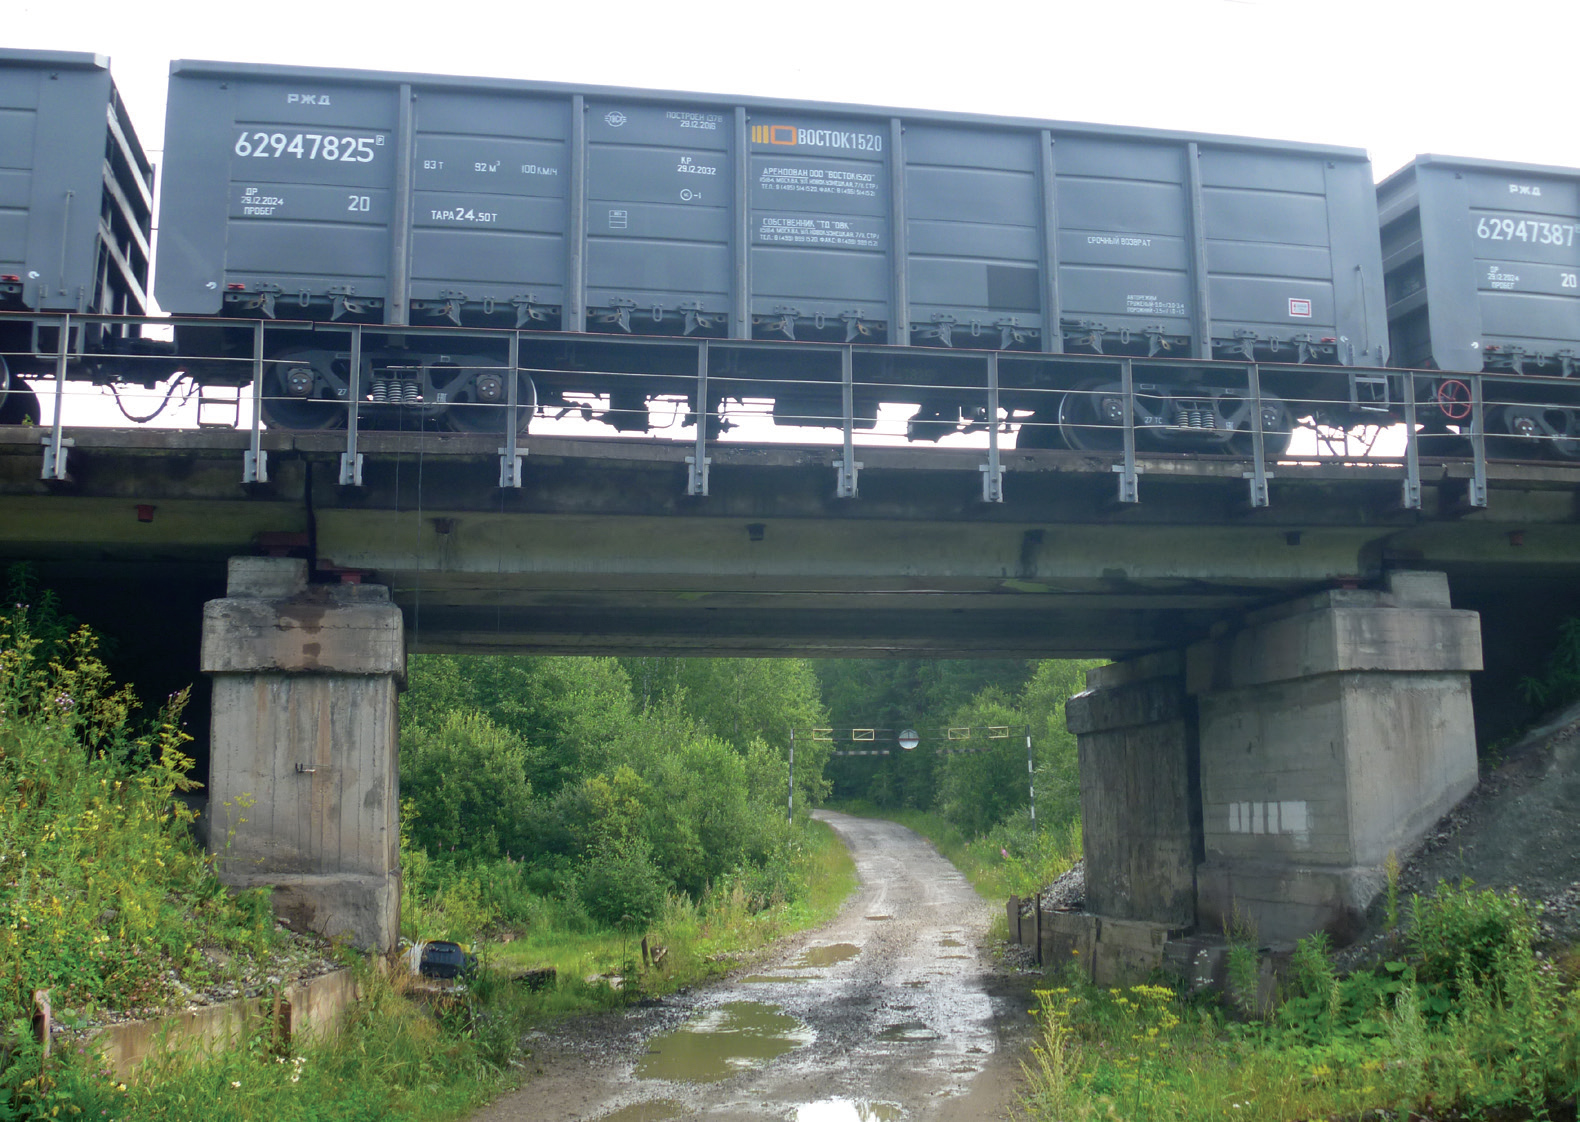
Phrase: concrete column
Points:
(1140, 808)
(1333, 730)
(304, 782)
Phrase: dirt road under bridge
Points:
(895, 1010)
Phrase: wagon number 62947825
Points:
(308, 145)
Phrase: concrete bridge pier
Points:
(1300, 749)
(1140, 772)
(303, 778)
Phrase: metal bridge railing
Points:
(1121, 408)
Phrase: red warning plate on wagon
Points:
(1300, 308)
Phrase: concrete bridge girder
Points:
(602, 549)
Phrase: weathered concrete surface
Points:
(304, 782)
(1140, 810)
(1333, 731)
(306, 1011)
(1102, 950)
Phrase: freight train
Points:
(416, 242)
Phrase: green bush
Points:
(1462, 935)
(464, 787)
(620, 886)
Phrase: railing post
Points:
(697, 474)
(1412, 448)
(510, 455)
(55, 444)
(255, 462)
(1129, 485)
(846, 466)
(1258, 475)
(351, 459)
(993, 470)
(1478, 442)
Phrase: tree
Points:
(899, 693)
(568, 707)
(738, 699)
(984, 785)
(1058, 781)
(466, 781)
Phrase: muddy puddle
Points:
(825, 956)
(950, 943)
(721, 1042)
(907, 1030)
(848, 1110)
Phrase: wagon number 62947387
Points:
(1531, 230)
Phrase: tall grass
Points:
(400, 1060)
(1502, 1036)
(105, 900)
(700, 939)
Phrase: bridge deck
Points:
(603, 550)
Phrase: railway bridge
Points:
(1297, 644)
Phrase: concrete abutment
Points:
(304, 793)
(1261, 778)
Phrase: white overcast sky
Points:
(1396, 77)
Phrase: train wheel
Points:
(1534, 432)
(1041, 430)
(1278, 426)
(1276, 439)
(1092, 417)
(19, 406)
(289, 401)
(478, 403)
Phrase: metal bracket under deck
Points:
(511, 454)
(1411, 499)
(351, 459)
(1129, 484)
(255, 461)
(993, 470)
(1258, 475)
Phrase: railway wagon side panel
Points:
(1525, 260)
(393, 198)
(1124, 243)
(660, 187)
(75, 188)
(1268, 246)
(490, 204)
(975, 252)
(820, 221)
(1483, 261)
(277, 192)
